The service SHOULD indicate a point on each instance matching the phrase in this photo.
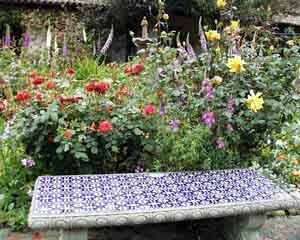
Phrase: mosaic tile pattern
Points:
(102, 194)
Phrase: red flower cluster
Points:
(98, 87)
(71, 71)
(134, 70)
(150, 110)
(50, 85)
(104, 127)
(69, 100)
(2, 106)
(23, 96)
(38, 81)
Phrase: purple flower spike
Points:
(175, 124)
(208, 90)
(220, 144)
(27, 40)
(203, 41)
(108, 42)
(28, 163)
(209, 119)
(7, 38)
(162, 110)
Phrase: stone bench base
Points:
(234, 228)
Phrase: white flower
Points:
(49, 37)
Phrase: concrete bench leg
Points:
(73, 235)
(244, 227)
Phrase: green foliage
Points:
(15, 183)
(285, 153)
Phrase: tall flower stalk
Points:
(7, 38)
(108, 41)
(65, 48)
(27, 39)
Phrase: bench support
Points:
(73, 235)
(244, 227)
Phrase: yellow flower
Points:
(281, 157)
(296, 173)
(290, 43)
(295, 162)
(217, 80)
(254, 101)
(236, 65)
(221, 3)
(213, 35)
(163, 34)
(235, 24)
(271, 48)
(166, 17)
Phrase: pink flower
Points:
(209, 119)
(150, 110)
(105, 127)
(220, 144)
(229, 127)
(28, 163)
(2, 106)
(231, 106)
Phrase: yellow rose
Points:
(281, 157)
(295, 162)
(236, 65)
(213, 36)
(221, 3)
(235, 24)
(290, 43)
(254, 101)
(296, 173)
(166, 17)
(217, 80)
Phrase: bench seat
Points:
(88, 201)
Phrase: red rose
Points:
(71, 71)
(149, 110)
(90, 87)
(102, 87)
(50, 85)
(99, 87)
(105, 127)
(69, 134)
(2, 106)
(38, 81)
(39, 97)
(23, 96)
(138, 68)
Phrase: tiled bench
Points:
(76, 203)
